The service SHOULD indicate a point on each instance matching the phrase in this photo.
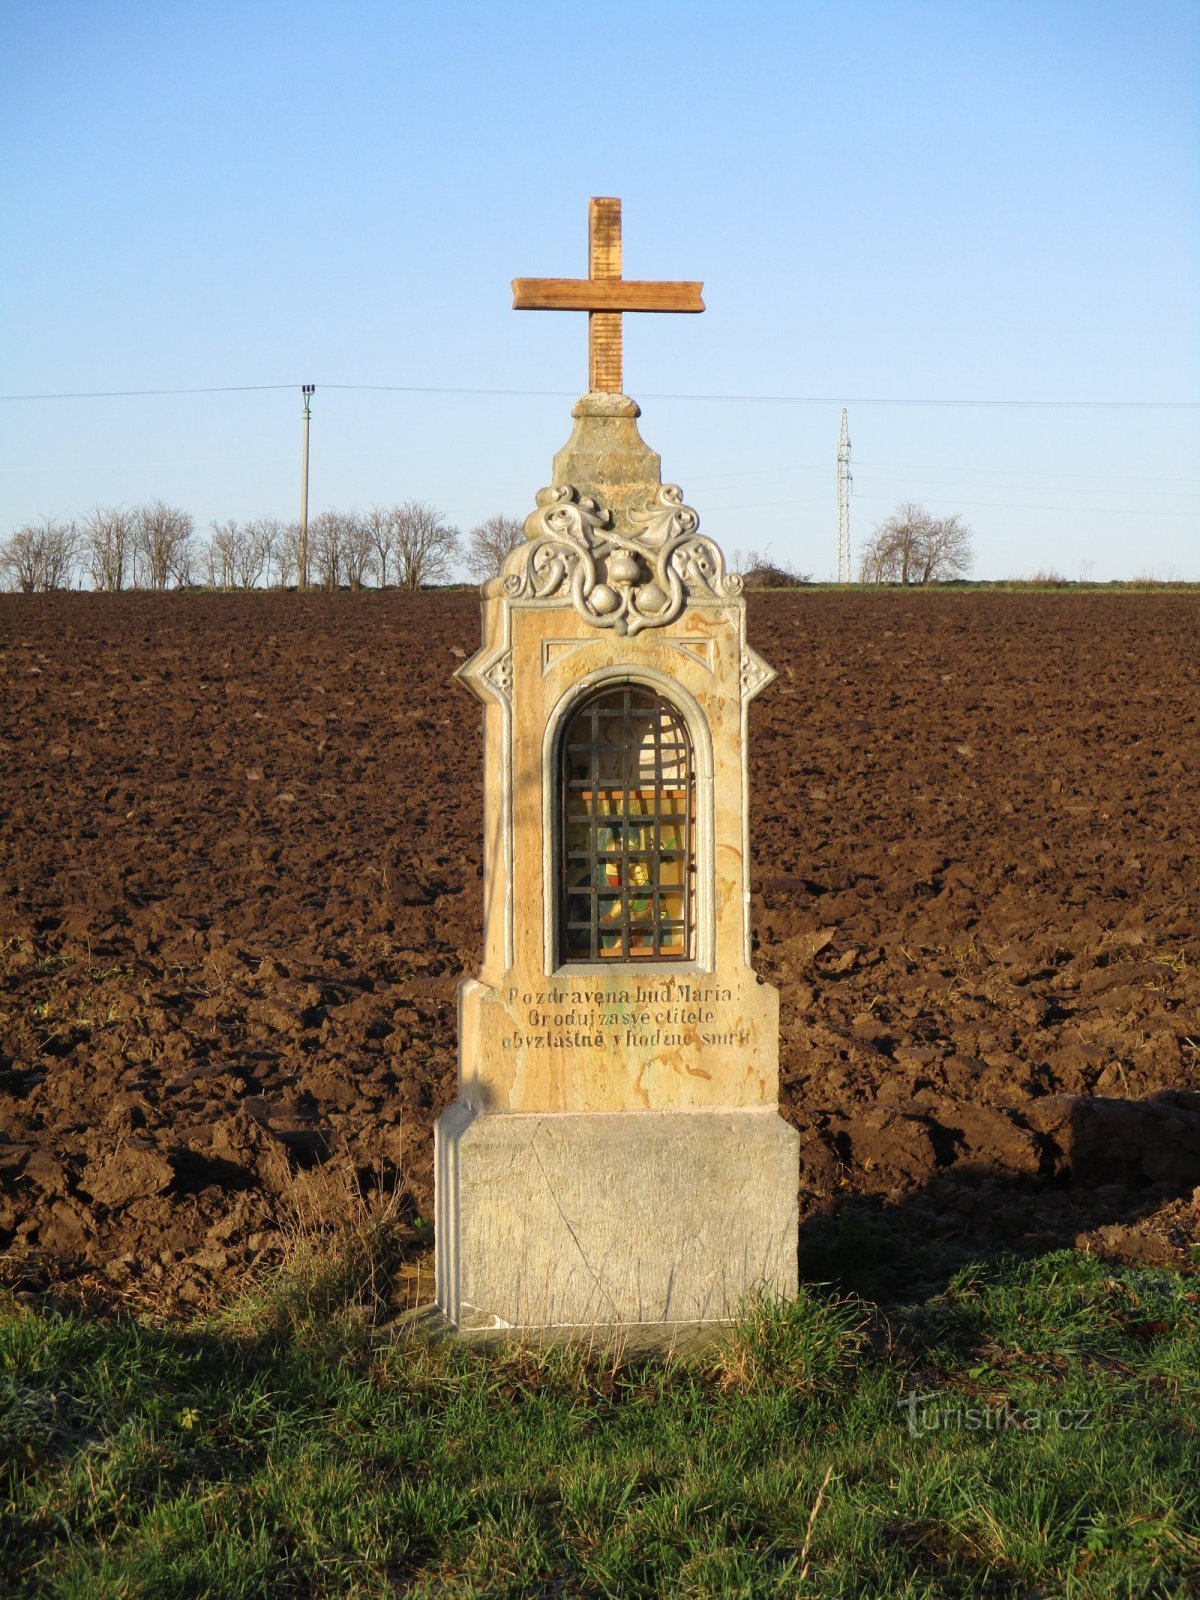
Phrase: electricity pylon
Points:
(844, 481)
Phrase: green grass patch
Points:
(1034, 1428)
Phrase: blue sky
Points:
(887, 203)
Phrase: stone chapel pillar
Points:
(615, 1153)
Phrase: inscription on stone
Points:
(638, 1017)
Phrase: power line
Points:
(808, 500)
(894, 400)
(876, 478)
(798, 399)
(881, 468)
(1000, 505)
(724, 399)
(975, 505)
(1014, 472)
(125, 394)
(762, 505)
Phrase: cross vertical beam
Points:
(604, 295)
(604, 327)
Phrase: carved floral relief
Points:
(626, 581)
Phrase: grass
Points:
(1032, 1429)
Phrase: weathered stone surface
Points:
(615, 1155)
(577, 1220)
(607, 453)
(664, 1341)
(640, 1036)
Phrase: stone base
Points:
(668, 1341)
(583, 1219)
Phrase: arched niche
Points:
(631, 826)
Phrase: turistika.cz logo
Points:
(939, 1413)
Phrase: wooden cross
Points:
(604, 295)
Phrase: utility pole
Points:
(308, 390)
(844, 482)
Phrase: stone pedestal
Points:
(579, 1219)
(615, 1154)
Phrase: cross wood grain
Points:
(604, 294)
(606, 345)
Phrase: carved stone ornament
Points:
(492, 668)
(756, 674)
(624, 581)
(499, 673)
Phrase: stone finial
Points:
(606, 457)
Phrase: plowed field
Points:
(240, 880)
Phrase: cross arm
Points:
(604, 294)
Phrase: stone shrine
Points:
(615, 1153)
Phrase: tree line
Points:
(405, 546)
(155, 546)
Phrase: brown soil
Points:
(240, 879)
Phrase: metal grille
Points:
(627, 830)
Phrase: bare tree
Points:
(426, 545)
(185, 563)
(220, 555)
(489, 543)
(249, 556)
(234, 556)
(325, 552)
(20, 560)
(40, 555)
(60, 550)
(163, 537)
(286, 551)
(913, 547)
(946, 552)
(108, 543)
(380, 523)
(893, 552)
(262, 550)
(357, 548)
